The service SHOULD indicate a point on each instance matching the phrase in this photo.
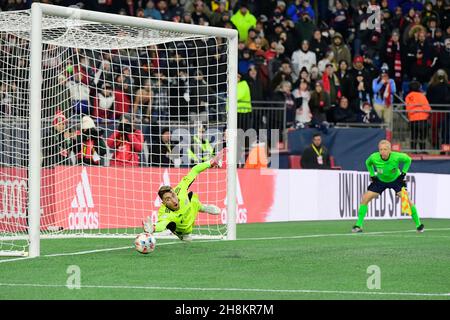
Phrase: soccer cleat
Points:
(356, 229)
(210, 208)
(421, 228)
(149, 226)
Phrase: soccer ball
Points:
(145, 243)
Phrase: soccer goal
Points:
(98, 111)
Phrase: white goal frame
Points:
(34, 188)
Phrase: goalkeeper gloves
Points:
(216, 162)
(401, 179)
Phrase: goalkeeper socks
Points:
(362, 211)
(415, 216)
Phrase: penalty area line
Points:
(255, 290)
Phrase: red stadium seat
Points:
(295, 162)
(333, 165)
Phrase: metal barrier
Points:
(430, 135)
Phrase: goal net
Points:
(120, 106)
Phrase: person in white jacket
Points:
(79, 94)
(303, 57)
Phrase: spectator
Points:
(79, 93)
(331, 84)
(244, 104)
(367, 115)
(318, 45)
(284, 74)
(57, 142)
(358, 65)
(316, 156)
(187, 18)
(151, 12)
(257, 90)
(420, 58)
(305, 27)
(327, 59)
(303, 57)
(344, 78)
(304, 75)
(202, 96)
(283, 97)
(104, 103)
(384, 89)
(199, 15)
(444, 56)
(302, 95)
(343, 113)
(360, 92)
(438, 95)
(393, 58)
(142, 106)
(443, 10)
(339, 19)
(122, 103)
(216, 18)
(163, 10)
(340, 49)
(418, 111)
(88, 145)
(159, 96)
(103, 74)
(245, 61)
(161, 152)
(243, 19)
(175, 10)
(200, 149)
(319, 104)
(294, 10)
(126, 143)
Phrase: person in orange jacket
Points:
(418, 111)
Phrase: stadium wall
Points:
(98, 197)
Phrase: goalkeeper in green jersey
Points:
(180, 206)
(388, 175)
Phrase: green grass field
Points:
(295, 260)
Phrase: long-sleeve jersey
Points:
(388, 170)
(185, 215)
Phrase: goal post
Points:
(100, 71)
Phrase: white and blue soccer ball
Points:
(145, 243)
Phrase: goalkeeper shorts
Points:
(380, 186)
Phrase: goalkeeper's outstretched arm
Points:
(196, 170)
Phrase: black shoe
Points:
(421, 228)
(356, 229)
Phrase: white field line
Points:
(242, 239)
(256, 290)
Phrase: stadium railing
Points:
(431, 135)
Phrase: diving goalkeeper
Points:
(386, 163)
(180, 206)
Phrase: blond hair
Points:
(384, 141)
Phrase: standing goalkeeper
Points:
(388, 175)
(180, 206)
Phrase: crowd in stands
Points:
(325, 62)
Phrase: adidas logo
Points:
(85, 216)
